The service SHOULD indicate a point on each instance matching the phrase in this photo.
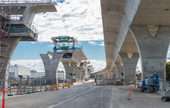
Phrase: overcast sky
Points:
(78, 18)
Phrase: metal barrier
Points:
(28, 86)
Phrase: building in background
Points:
(14, 71)
(90, 69)
(35, 74)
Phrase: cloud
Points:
(33, 64)
(92, 42)
(38, 64)
(101, 43)
(97, 43)
(33, 43)
(98, 64)
(78, 18)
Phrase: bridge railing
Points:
(27, 1)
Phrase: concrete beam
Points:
(153, 12)
(26, 2)
(26, 9)
(31, 11)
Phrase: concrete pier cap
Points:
(25, 10)
(51, 62)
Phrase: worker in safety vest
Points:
(131, 88)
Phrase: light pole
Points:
(57, 78)
(20, 84)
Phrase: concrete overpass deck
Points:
(148, 21)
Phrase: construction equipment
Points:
(64, 43)
(151, 84)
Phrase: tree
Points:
(168, 71)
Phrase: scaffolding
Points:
(65, 43)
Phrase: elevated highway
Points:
(148, 21)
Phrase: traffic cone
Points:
(3, 98)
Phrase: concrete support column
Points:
(7, 46)
(153, 43)
(115, 74)
(79, 73)
(50, 65)
(119, 71)
(129, 64)
(108, 75)
(69, 70)
(85, 72)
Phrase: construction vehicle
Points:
(151, 83)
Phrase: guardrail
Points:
(27, 1)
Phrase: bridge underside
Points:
(148, 22)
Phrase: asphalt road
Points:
(87, 96)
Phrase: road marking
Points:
(71, 98)
(111, 103)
